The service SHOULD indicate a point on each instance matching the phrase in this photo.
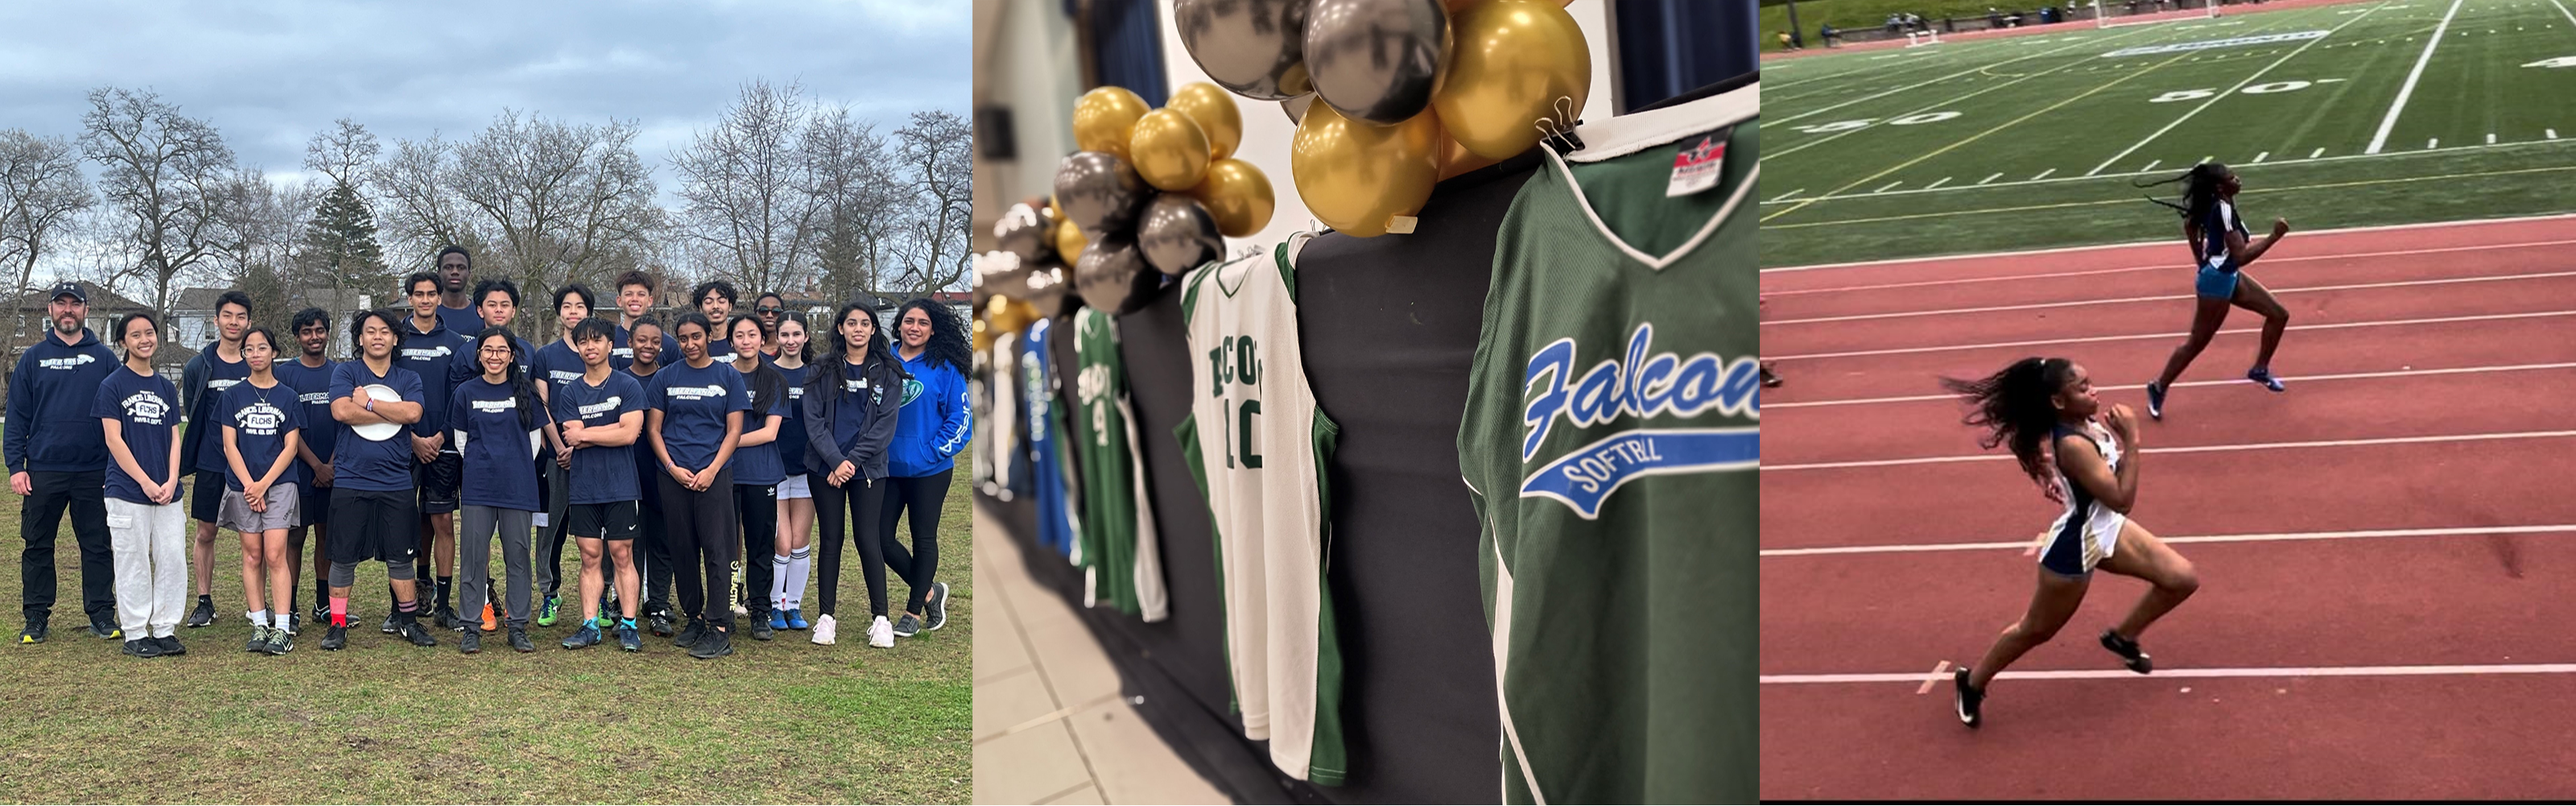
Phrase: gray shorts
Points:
(283, 502)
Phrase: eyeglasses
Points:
(498, 351)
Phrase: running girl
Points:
(851, 403)
(935, 422)
(145, 522)
(2050, 402)
(2222, 249)
(261, 419)
(694, 415)
(792, 559)
(490, 417)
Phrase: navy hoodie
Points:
(49, 427)
(442, 358)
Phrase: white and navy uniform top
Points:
(2087, 531)
(2214, 226)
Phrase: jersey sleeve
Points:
(344, 383)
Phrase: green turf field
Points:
(382, 721)
(2034, 141)
(1869, 15)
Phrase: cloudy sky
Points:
(269, 75)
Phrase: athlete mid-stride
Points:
(2050, 402)
(2221, 248)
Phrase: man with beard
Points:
(216, 368)
(310, 376)
(57, 457)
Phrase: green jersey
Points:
(1122, 564)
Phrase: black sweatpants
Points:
(858, 506)
(702, 530)
(757, 504)
(84, 494)
(654, 546)
(922, 496)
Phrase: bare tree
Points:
(564, 200)
(419, 212)
(255, 242)
(344, 155)
(857, 200)
(41, 191)
(161, 170)
(748, 189)
(933, 151)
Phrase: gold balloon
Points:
(1171, 152)
(1354, 176)
(1214, 110)
(1068, 238)
(1103, 117)
(1238, 196)
(1511, 63)
(1455, 159)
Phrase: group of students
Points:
(725, 426)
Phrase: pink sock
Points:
(339, 611)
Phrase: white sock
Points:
(282, 617)
(777, 581)
(258, 617)
(799, 565)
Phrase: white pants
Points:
(150, 543)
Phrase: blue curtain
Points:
(1129, 47)
(1671, 47)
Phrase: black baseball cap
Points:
(72, 290)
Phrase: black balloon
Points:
(1376, 60)
(1112, 275)
(1250, 47)
(1178, 235)
(1099, 192)
(1025, 232)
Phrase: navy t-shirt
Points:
(759, 465)
(220, 375)
(602, 474)
(500, 461)
(312, 387)
(791, 433)
(557, 364)
(260, 419)
(851, 410)
(440, 359)
(622, 354)
(693, 403)
(146, 408)
(358, 463)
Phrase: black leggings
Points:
(758, 506)
(701, 531)
(864, 499)
(923, 495)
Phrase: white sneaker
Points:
(824, 630)
(881, 634)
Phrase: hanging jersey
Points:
(1055, 514)
(1611, 444)
(1005, 445)
(1256, 444)
(1123, 565)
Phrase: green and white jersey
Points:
(1005, 443)
(1256, 444)
(1612, 444)
(1123, 563)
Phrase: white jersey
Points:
(1006, 404)
(1256, 444)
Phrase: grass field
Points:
(382, 721)
(1867, 15)
(2349, 114)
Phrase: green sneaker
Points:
(546, 618)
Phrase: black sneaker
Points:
(294, 624)
(661, 624)
(2128, 651)
(104, 626)
(447, 620)
(471, 643)
(519, 640)
(258, 639)
(760, 629)
(280, 642)
(716, 644)
(34, 633)
(628, 640)
(938, 615)
(204, 614)
(416, 634)
(170, 645)
(335, 638)
(391, 626)
(143, 648)
(1969, 700)
(908, 626)
(689, 635)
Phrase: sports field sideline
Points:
(2335, 114)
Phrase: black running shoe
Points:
(1969, 700)
(661, 624)
(258, 639)
(689, 635)
(170, 645)
(143, 648)
(34, 633)
(938, 615)
(391, 626)
(760, 629)
(2128, 651)
(416, 634)
(335, 638)
(471, 643)
(104, 626)
(519, 640)
(716, 644)
(204, 614)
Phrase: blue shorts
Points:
(2216, 283)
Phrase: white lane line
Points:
(2035, 306)
(2439, 320)
(1884, 188)
(2151, 165)
(2317, 153)
(2341, 376)
(2408, 90)
(2163, 673)
(2263, 446)
(2262, 156)
(2162, 241)
(2358, 534)
(2562, 9)
(1786, 196)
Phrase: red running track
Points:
(1884, 557)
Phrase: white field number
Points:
(1849, 125)
(2257, 89)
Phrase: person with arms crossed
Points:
(375, 509)
(58, 461)
(602, 412)
(137, 411)
(557, 363)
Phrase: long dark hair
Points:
(274, 352)
(2015, 408)
(766, 382)
(529, 405)
(2199, 191)
(827, 375)
(804, 352)
(947, 343)
(688, 317)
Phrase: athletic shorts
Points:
(207, 503)
(794, 487)
(2215, 283)
(315, 509)
(374, 525)
(2073, 546)
(437, 482)
(615, 520)
(281, 514)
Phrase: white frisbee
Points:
(379, 432)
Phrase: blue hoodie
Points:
(49, 427)
(935, 422)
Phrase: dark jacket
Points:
(822, 403)
(199, 405)
(49, 427)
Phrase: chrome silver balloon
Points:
(1376, 60)
(1112, 275)
(1177, 234)
(1099, 192)
(1253, 48)
(1025, 232)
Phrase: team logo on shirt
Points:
(260, 419)
(911, 389)
(1642, 386)
(694, 392)
(314, 398)
(72, 362)
(490, 406)
(426, 353)
(599, 408)
(146, 407)
(220, 384)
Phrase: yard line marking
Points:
(1937, 183)
(2433, 143)
(2355, 534)
(2490, 138)
(2232, 448)
(2553, 134)
(2439, 320)
(2151, 165)
(2208, 158)
(2345, 376)
(2562, 9)
(1883, 188)
(2150, 267)
(2163, 673)
(2214, 99)
(2408, 90)
(2034, 306)
(2043, 174)
(2317, 153)
(2260, 157)
(1933, 81)
(1784, 196)
(1952, 101)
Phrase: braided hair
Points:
(2016, 406)
(2199, 192)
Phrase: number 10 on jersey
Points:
(1237, 360)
